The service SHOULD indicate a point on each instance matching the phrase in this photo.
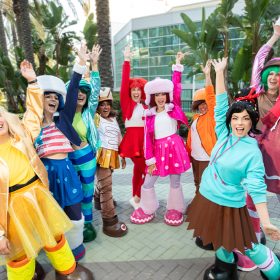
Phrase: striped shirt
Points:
(51, 141)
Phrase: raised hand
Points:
(220, 64)
(179, 57)
(276, 28)
(83, 54)
(207, 68)
(95, 54)
(27, 71)
(127, 53)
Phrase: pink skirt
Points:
(171, 156)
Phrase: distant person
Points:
(132, 98)
(107, 162)
(165, 151)
(218, 213)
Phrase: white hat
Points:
(158, 85)
(105, 94)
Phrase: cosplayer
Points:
(165, 151)
(30, 218)
(132, 99)
(54, 143)
(83, 158)
(265, 79)
(107, 161)
(221, 197)
(201, 136)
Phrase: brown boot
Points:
(97, 204)
(113, 228)
(80, 273)
(39, 272)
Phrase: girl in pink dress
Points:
(165, 151)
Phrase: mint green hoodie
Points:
(236, 165)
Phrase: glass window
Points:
(139, 34)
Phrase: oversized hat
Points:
(199, 98)
(138, 83)
(158, 85)
(49, 83)
(105, 94)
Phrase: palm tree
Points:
(3, 42)
(21, 10)
(104, 40)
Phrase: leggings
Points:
(138, 175)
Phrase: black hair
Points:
(240, 106)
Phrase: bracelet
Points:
(32, 82)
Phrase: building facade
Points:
(151, 38)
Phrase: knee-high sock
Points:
(266, 260)
(149, 202)
(84, 161)
(254, 216)
(21, 270)
(104, 192)
(176, 197)
(61, 257)
(224, 255)
(75, 238)
(138, 175)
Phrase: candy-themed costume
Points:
(201, 136)
(165, 149)
(107, 161)
(222, 194)
(29, 215)
(84, 159)
(57, 138)
(133, 116)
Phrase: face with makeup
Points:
(241, 123)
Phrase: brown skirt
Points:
(220, 225)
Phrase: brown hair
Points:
(113, 113)
(153, 102)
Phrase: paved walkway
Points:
(152, 251)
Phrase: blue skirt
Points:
(64, 181)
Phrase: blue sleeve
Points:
(254, 182)
(95, 84)
(69, 109)
(220, 114)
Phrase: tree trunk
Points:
(104, 40)
(3, 41)
(21, 10)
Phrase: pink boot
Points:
(173, 218)
(139, 217)
(244, 263)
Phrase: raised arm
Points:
(177, 69)
(95, 81)
(209, 89)
(79, 69)
(261, 56)
(33, 116)
(125, 98)
(221, 97)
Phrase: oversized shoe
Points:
(113, 228)
(221, 271)
(89, 232)
(173, 218)
(80, 273)
(139, 217)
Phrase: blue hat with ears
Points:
(52, 84)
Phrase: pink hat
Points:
(158, 85)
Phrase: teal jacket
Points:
(89, 111)
(236, 165)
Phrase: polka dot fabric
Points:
(171, 156)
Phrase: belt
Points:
(19, 186)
